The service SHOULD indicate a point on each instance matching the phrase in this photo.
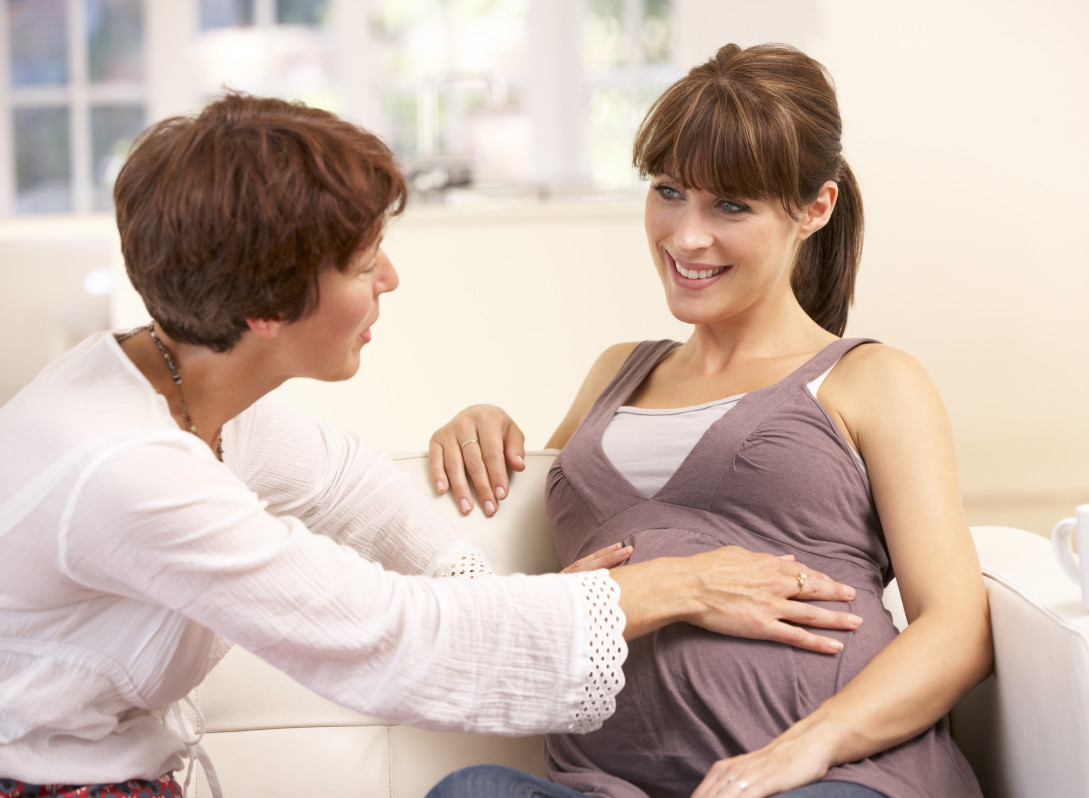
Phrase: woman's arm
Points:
(341, 488)
(889, 408)
(481, 441)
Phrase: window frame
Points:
(79, 96)
(557, 83)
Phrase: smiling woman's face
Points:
(718, 257)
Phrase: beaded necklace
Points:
(150, 327)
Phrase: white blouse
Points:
(130, 555)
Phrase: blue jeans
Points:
(493, 781)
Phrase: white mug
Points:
(1074, 566)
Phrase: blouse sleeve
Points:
(164, 523)
(339, 487)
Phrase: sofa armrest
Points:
(1026, 728)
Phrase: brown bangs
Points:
(711, 137)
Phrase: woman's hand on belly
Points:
(733, 591)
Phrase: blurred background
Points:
(522, 254)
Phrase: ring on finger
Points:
(741, 783)
(471, 440)
(801, 577)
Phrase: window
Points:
(284, 48)
(481, 99)
(530, 98)
(628, 53)
(75, 91)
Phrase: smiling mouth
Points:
(697, 274)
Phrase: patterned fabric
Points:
(164, 786)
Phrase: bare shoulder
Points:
(875, 370)
(601, 373)
(877, 388)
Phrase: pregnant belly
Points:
(692, 697)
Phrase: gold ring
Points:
(471, 440)
(801, 577)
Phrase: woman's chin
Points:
(689, 315)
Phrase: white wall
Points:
(970, 143)
(965, 122)
(43, 305)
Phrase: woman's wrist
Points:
(833, 740)
(654, 594)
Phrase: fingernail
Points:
(856, 620)
(837, 646)
(489, 507)
(521, 460)
(465, 506)
(501, 492)
(440, 486)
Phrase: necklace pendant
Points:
(178, 384)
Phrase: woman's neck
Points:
(203, 389)
(718, 347)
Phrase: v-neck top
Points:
(774, 474)
(646, 445)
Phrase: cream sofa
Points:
(1025, 730)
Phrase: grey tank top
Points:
(772, 475)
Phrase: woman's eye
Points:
(666, 191)
(731, 207)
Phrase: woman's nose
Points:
(693, 232)
(388, 279)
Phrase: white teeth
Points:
(697, 274)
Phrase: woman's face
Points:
(327, 342)
(719, 258)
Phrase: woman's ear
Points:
(266, 329)
(819, 211)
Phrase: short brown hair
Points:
(759, 123)
(232, 213)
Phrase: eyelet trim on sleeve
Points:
(605, 648)
(469, 566)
